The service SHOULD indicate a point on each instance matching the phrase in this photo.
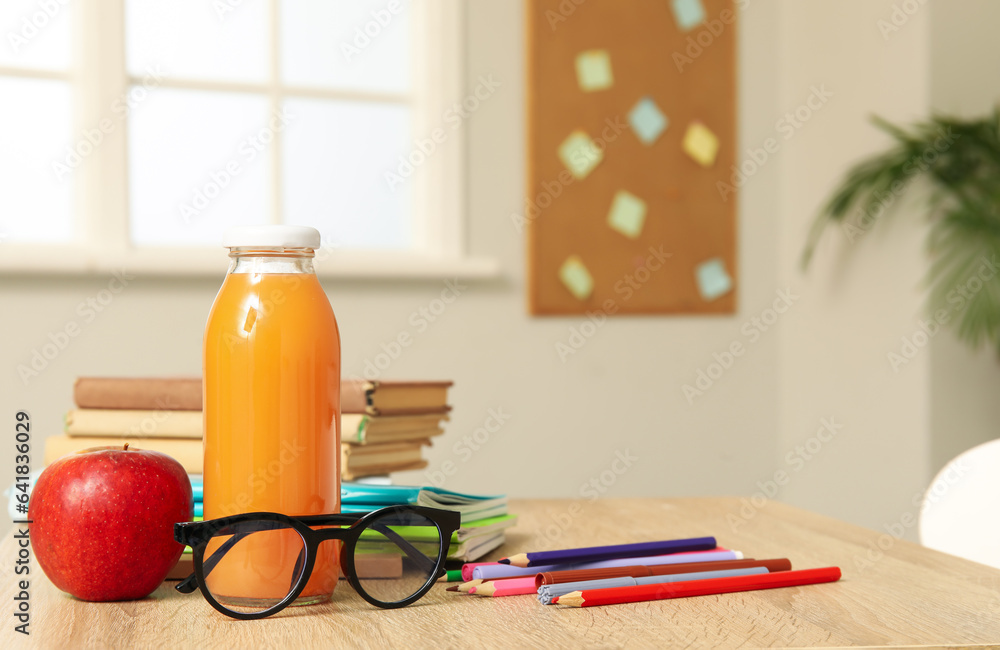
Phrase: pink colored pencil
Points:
(510, 587)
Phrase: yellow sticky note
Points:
(627, 214)
(593, 70)
(579, 153)
(576, 277)
(701, 144)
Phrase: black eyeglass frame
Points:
(197, 535)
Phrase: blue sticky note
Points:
(647, 120)
(713, 281)
(688, 13)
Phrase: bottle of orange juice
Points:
(272, 410)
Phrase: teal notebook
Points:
(359, 497)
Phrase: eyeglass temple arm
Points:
(426, 564)
(189, 584)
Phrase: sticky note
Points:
(688, 13)
(701, 144)
(713, 281)
(647, 120)
(593, 70)
(627, 214)
(576, 277)
(579, 153)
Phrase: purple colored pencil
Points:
(598, 553)
(491, 571)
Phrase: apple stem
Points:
(125, 448)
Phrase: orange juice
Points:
(272, 419)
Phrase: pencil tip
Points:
(452, 588)
(503, 561)
(472, 590)
(555, 601)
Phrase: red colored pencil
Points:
(641, 593)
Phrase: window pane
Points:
(196, 39)
(36, 168)
(199, 162)
(360, 45)
(35, 34)
(335, 159)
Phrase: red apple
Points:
(103, 521)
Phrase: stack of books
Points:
(384, 425)
(485, 519)
(164, 412)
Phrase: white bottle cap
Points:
(271, 236)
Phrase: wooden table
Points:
(893, 593)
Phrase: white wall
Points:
(965, 81)
(622, 391)
(858, 298)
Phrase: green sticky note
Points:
(576, 277)
(713, 281)
(688, 13)
(627, 214)
(593, 70)
(701, 144)
(579, 153)
(647, 121)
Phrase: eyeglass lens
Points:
(396, 555)
(252, 566)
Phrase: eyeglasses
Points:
(254, 565)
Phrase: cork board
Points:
(631, 206)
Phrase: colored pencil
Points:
(698, 588)
(598, 553)
(466, 586)
(513, 587)
(469, 567)
(558, 577)
(491, 571)
(546, 593)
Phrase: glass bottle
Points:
(272, 409)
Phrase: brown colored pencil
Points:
(559, 577)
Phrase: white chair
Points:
(961, 509)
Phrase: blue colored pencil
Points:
(597, 553)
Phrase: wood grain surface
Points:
(893, 593)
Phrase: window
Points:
(145, 128)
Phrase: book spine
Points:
(354, 396)
(189, 453)
(179, 394)
(137, 424)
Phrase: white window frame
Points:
(101, 203)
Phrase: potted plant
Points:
(961, 161)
